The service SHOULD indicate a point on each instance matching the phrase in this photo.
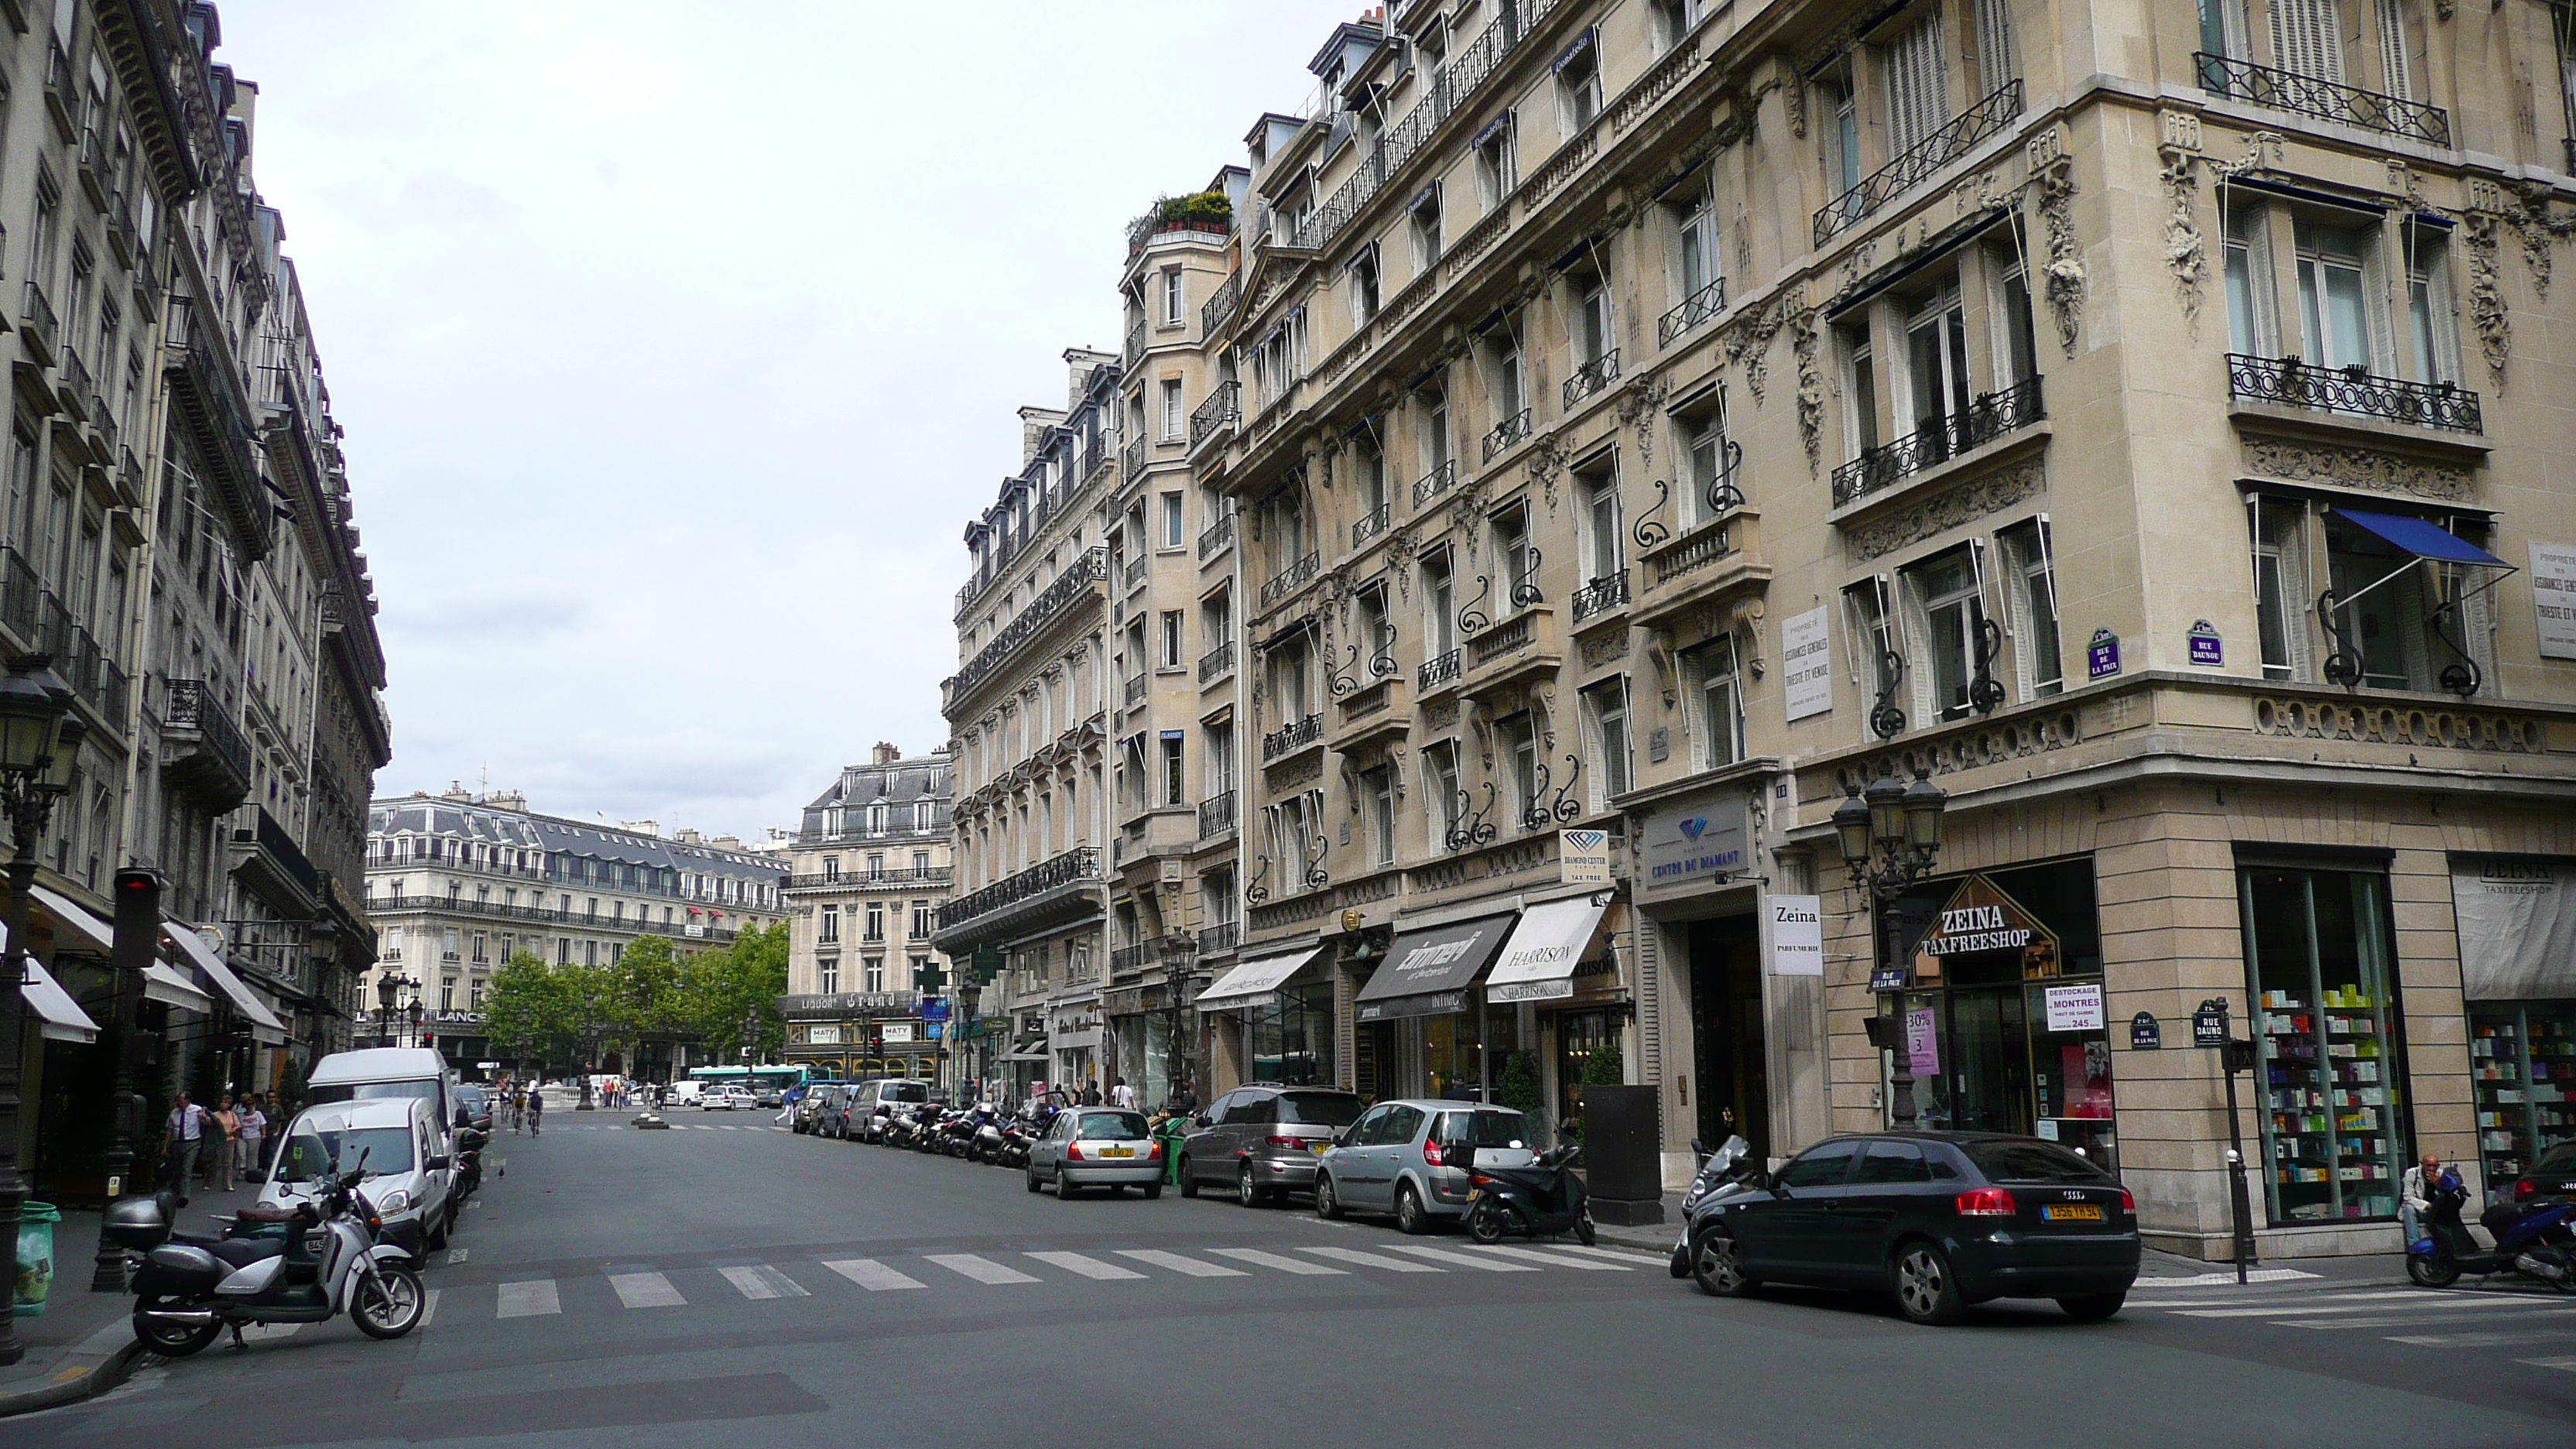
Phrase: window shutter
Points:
(2397, 67)
(2378, 300)
(1913, 627)
(1917, 102)
(1995, 67)
(2307, 38)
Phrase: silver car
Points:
(1410, 1158)
(1097, 1147)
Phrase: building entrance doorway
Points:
(1731, 1083)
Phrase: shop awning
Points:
(2421, 537)
(1427, 972)
(163, 983)
(1029, 1051)
(1255, 981)
(62, 1017)
(1538, 963)
(74, 924)
(264, 1025)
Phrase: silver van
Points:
(374, 1072)
(1410, 1158)
(871, 1099)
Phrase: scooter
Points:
(990, 1144)
(2533, 1240)
(190, 1289)
(1714, 1168)
(1543, 1199)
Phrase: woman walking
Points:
(226, 1144)
(254, 1137)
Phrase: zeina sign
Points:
(1980, 918)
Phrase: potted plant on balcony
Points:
(1197, 211)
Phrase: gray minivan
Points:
(1264, 1140)
(882, 1094)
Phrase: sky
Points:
(674, 354)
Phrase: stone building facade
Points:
(870, 869)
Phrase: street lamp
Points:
(388, 986)
(414, 1012)
(1889, 835)
(39, 746)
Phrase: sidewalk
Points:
(83, 1344)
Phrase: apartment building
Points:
(870, 869)
(2143, 429)
(458, 883)
(1028, 713)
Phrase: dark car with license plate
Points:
(2552, 1177)
(1263, 1141)
(1941, 1220)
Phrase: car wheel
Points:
(1409, 1216)
(1034, 1184)
(1064, 1188)
(1328, 1204)
(1926, 1290)
(1717, 1265)
(2093, 1307)
(1248, 1189)
(1189, 1179)
(1153, 1191)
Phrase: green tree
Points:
(718, 989)
(643, 989)
(534, 1007)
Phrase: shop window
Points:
(2522, 1072)
(1605, 711)
(2320, 954)
(2030, 591)
(1715, 704)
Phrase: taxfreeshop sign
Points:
(1979, 918)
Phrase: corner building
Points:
(1660, 419)
(871, 868)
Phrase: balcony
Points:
(1988, 117)
(861, 880)
(1221, 413)
(1131, 460)
(1217, 534)
(1219, 306)
(1076, 868)
(1939, 440)
(1290, 579)
(75, 388)
(1216, 663)
(43, 335)
(1172, 950)
(1707, 565)
(1060, 597)
(2353, 391)
(1507, 432)
(1134, 352)
(459, 905)
(1364, 529)
(1601, 596)
(1591, 377)
(1133, 693)
(1511, 650)
(1695, 309)
(1216, 816)
(267, 859)
(1436, 673)
(1291, 737)
(1136, 571)
(1436, 482)
(208, 399)
(94, 177)
(203, 752)
(1219, 938)
(2284, 90)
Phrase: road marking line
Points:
(1613, 1254)
(1463, 1260)
(1257, 1258)
(872, 1275)
(760, 1281)
(1552, 1260)
(1178, 1264)
(269, 1332)
(2568, 1364)
(429, 1306)
(2476, 1340)
(646, 1290)
(1087, 1267)
(2415, 1320)
(2302, 1310)
(529, 1300)
(2277, 1299)
(982, 1270)
(2213, 1280)
(1371, 1260)
(455, 1256)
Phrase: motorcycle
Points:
(469, 1141)
(990, 1143)
(2533, 1240)
(1014, 1149)
(1714, 1168)
(1542, 1199)
(189, 1289)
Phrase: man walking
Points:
(187, 1132)
(1121, 1094)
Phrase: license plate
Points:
(2071, 1212)
(1130, 1152)
(1317, 1147)
(1474, 1193)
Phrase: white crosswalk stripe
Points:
(1552, 1260)
(1087, 1267)
(270, 1332)
(982, 1270)
(1260, 1259)
(1371, 1260)
(2305, 1311)
(759, 1282)
(872, 1275)
(1461, 1260)
(1178, 1264)
(2569, 1364)
(645, 1290)
(529, 1300)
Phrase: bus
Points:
(758, 1079)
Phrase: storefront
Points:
(1698, 943)
(1145, 1042)
(2517, 924)
(1418, 1014)
(1075, 1036)
(1561, 967)
(2006, 1028)
(1270, 1019)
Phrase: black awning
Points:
(1427, 972)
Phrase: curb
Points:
(102, 1376)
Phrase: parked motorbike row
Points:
(985, 1133)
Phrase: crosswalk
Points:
(645, 1289)
(2471, 1318)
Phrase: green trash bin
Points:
(35, 1257)
(1172, 1130)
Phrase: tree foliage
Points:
(555, 1012)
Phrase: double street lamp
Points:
(1889, 835)
(40, 743)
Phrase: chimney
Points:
(652, 828)
(1034, 423)
(515, 801)
(456, 791)
(686, 835)
(727, 842)
(885, 754)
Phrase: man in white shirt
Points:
(1121, 1094)
(187, 1132)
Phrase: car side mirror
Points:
(1199, 1120)
(435, 1162)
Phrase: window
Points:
(1715, 704)
(1175, 297)
(1373, 634)
(872, 973)
(2030, 565)
(1377, 787)
(2250, 315)
(2433, 343)
(1364, 288)
(1994, 40)
(2307, 38)
(1695, 260)
(1708, 465)
(1675, 19)
(1936, 355)
(1171, 638)
(1601, 525)
(921, 920)
(1860, 392)
(831, 867)
(1496, 167)
(1519, 558)
(1439, 606)
(1954, 630)
(1875, 623)
(1578, 85)
(1590, 333)
(1173, 535)
(1174, 792)
(876, 921)
(1516, 741)
(1431, 408)
(876, 863)
(1219, 750)
(1916, 75)
(1368, 475)
(2017, 347)
(1423, 221)
(2280, 584)
(2335, 297)
(1440, 783)
(1605, 707)
(2321, 956)
(827, 974)
(1510, 398)
(1841, 139)
(1288, 681)
(1175, 417)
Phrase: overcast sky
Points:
(675, 345)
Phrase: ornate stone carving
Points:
(2400, 724)
(1440, 714)
(1793, 99)
(1947, 509)
(1811, 389)
(2179, 129)
(1749, 339)
(2486, 296)
(2065, 260)
(1604, 646)
(2186, 256)
(1547, 462)
(1298, 772)
(2538, 225)
(2376, 472)
(1638, 403)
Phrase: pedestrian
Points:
(1121, 1094)
(254, 1137)
(1091, 1092)
(518, 1109)
(187, 1132)
(221, 1144)
(536, 1110)
(2415, 1193)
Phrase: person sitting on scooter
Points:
(2415, 1194)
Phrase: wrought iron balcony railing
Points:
(1172, 949)
(1290, 579)
(1081, 863)
(1217, 662)
(1592, 376)
(1135, 350)
(1220, 305)
(1436, 671)
(190, 704)
(1696, 308)
(1601, 595)
(1374, 523)
(1222, 410)
(1217, 534)
(40, 328)
(1940, 439)
(858, 880)
(1136, 571)
(1135, 690)
(1986, 118)
(1435, 483)
(2287, 90)
(2293, 382)
(1075, 584)
(1131, 460)
(1507, 432)
(1216, 815)
(1219, 937)
(1296, 734)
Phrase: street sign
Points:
(935, 1009)
(2146, 1034)
(1887, 978)
(2209, 1024)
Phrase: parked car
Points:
(1941, 1219)
(882, 1092)
(686, 1094)
(1097, 1147)
(1410, 1158)
(473, 1106)
(406, 1165)
(1264, 1140)
(727, 1099)
(823, 1112)
(769, 1097)
(2552, 1175)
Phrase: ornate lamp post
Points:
(1889, 835)
(388, 986)
(39, 745)
(414, 1012)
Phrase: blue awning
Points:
(2421, 537)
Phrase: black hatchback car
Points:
(1941, 1219)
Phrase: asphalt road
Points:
(732, 1284)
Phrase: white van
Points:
(407, 1167)
(687, 1094)
(376, 1072)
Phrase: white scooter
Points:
(190, 1289)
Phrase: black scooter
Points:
(1543, 1199)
